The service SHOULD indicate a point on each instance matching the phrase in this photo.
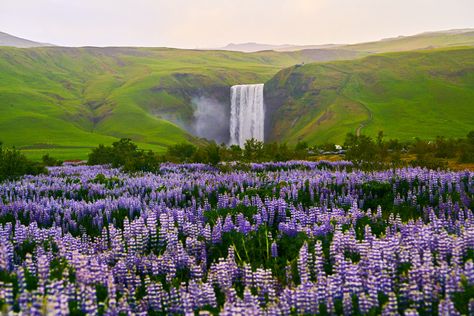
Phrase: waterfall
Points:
(247, 113)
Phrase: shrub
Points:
(14, 164)
(50, 161)
(124, 153)
(181, 152)
(467, 149)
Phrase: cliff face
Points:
(280, 93)
(196, 103)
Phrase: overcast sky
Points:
(214, 23)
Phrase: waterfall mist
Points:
(211, 119)
(247, 113)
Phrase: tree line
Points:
(434, 154)
(364, 151)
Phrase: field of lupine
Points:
(259, 239)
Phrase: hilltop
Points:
(427, 40)
(13, 41)
(252, 47)
(422, 94)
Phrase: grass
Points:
(67, 100)
(416, 42)
(410, 94)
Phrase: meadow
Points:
(270, 238)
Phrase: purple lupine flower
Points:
(274, 249)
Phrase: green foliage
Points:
(253, 150)
(124, 153)
(430, 161)
(235, 153)
(100, 155)
(369, 154)
(14, 164)
(366, 153)
(213, 153)
(49, 161)
(360, 148)
(182, 152)
(467, 149)
(277, 152)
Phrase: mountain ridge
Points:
(14, 41)
(361, 46)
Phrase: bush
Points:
(253, 150)
(14, 164)
(50, 161)
(126, 154)
(430, 161)
(360, 149)
(181, 152)
(467, 149)
(101, 155)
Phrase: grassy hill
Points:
(428, 40)
(421, 93)
(64, 101)
(67, 100)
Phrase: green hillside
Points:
(64, 101)
(67, 100)
(429, 40)
(421, 93)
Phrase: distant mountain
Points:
(447, 38)
(427, 40)
(10, 40)
(256, 47)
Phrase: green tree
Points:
(253, 150)
(360, 149)
(124, 153)
(182, 152)
(235, 153)
(213, 153)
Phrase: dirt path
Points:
(366, 122)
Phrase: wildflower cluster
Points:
(273, 239)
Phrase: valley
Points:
(64, 101)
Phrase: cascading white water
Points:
(247, 113)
